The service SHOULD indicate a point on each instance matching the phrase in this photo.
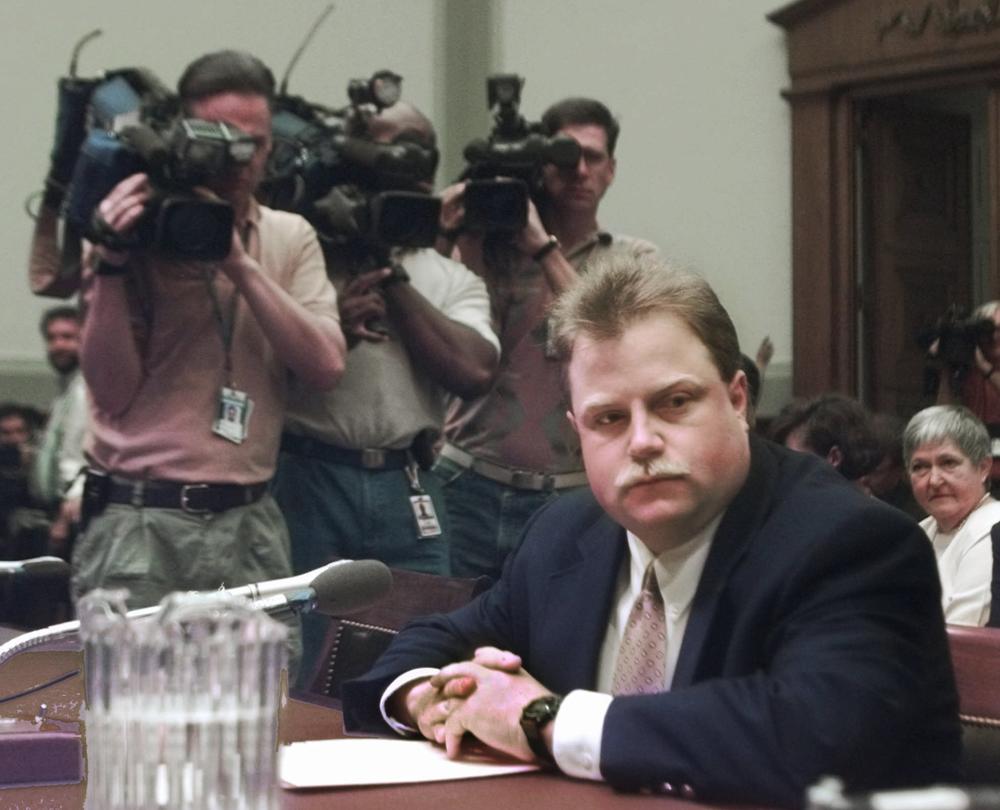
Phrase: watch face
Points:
(534, 717)
(542, 710)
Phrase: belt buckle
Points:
(523, 479)
(372, 458)
(185, 502)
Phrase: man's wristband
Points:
(552, 243)
(103, 268)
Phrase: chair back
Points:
(353, 643)
(994, 619)
(975, 655)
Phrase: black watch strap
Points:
(397, 275)
(551, 244)
(534, 718)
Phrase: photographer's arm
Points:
(46, 274)
(312, 347)
(453, 355)
(536, 242)
(109, 354)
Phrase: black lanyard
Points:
(226, 322)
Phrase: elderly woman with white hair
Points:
(947, 452)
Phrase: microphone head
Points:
(37, 567)
(351, 586)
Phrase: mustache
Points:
(658, 468)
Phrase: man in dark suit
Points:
(790, 627)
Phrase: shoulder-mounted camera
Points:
(327, 166)
(516, 152)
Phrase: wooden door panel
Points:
(917, 220)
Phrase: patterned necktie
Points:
(641, 667)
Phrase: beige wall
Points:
(704, 154)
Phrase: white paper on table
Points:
(372, 761)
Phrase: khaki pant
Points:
(153, 552)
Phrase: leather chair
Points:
(353, 643)
(975, 654)
(994, 619)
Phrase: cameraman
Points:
(177, 494)
(977, 387)
(349, 477)
(512, 450)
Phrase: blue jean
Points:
(336, 510)
(485, 518)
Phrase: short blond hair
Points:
(618, 291)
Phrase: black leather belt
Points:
(197, 499)
(367, 459)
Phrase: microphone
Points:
(340, 587)
(338, 590)
(35, 566)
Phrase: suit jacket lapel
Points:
(740, 521)
(576, 590)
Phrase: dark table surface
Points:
(299, 720)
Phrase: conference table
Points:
(56, 710)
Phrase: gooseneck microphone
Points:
(341, 587)
(35, 567)
(336, 591)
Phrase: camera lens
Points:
(193, 229)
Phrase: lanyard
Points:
(226, 321)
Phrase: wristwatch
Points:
(535, 717)
(552, 243)
(397, 275)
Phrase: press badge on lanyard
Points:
(422, 506)
(232, 417)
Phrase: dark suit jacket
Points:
(815, 644)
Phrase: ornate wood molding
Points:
(949, 19)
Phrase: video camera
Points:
(515, 151)
(326, 166)
(958, 337)
(126, 121)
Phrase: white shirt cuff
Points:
(576, 733)
(407, 677)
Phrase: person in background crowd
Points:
(889, 480)
(177, 494)
(834, 427)
(16, 453)
(60, 459)
(947, 452)
(975, 382)
(352, 477)
(510, 451)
